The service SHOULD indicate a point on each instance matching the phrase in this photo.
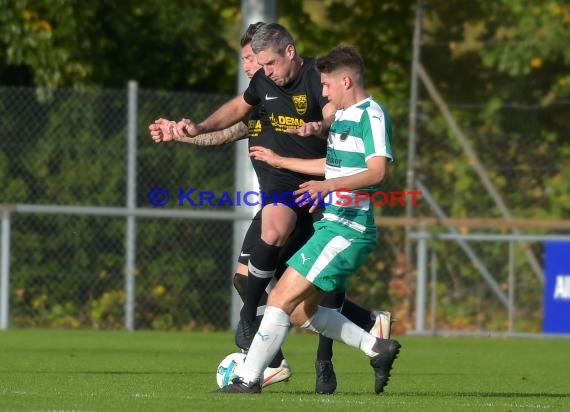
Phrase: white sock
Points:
(334, 325)
(267, 341)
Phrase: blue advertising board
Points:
(556, 287)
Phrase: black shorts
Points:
(280, 188)
(301, 234)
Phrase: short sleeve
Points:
(251, 94)
(377, 134)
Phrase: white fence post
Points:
(5, 271)
(245, 178)
(421, 284)
(511, 285)
(131, 236)
(433, 268)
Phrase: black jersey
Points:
(288, 107)
(257, 138)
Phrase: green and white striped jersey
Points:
(359, 132)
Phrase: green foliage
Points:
(168, 45)
(502, 68)
(29, 40)
(527, 37)
(68, 271)
(107, 311)
(380, 31)
(12, 187)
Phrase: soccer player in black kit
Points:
(290, 93)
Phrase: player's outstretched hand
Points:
(308, 129)
(162, 130)
(186, 128)
(266, 155)
(312, 193)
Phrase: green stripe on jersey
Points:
(341, 158)
(360, 131)
(347, 127)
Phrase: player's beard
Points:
(279, 82)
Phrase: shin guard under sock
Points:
(261, 269)
(325, 348)
(272, 332)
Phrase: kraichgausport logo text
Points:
(159, 197)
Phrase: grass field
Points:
(153, 371)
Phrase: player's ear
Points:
(290, 51)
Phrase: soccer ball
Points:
(227, 368)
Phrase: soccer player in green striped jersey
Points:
(358, 153)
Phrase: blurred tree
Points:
(502, 68)
(530, 39)
(167, 45)
(381, 31)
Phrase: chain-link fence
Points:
(69, 270)
(506, 161)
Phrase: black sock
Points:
(357, 314)
(261, 268)
(325, 350)
(255, 292)
(276, 362)
(240, 283)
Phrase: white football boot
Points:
(382, 324)
(274, 375)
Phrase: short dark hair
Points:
(342, 57)
(271, 36)
(249, 32)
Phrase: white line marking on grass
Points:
(62, 410)
(143, 395)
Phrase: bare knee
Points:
(278, 222)
(290, 291)
(275, 236)
(282, 301)
(298, 318)
(304, 311)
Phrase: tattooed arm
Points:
(233, 133)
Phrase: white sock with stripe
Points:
(334, 325)
(268, 339)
